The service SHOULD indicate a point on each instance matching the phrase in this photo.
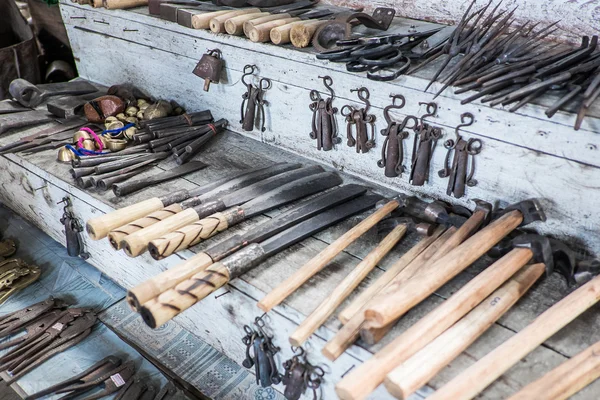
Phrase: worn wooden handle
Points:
(343, 290)
(137, 243)
(566, 379)
(249, 25)
(393, 305)
(281, 34)
(202, 21)
(315, 265)
(358, 385)
(117, 235)
(217, 23)
(301, 35)
(480, 375)
(97, 228)
(262, 33)
(157, 312)
(187, 236)
(428, 362)
(235, 25)
(166, 280)
(381, 282)
(123, 4)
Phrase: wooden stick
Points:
(361, 381)
(281, 34)
(235, 25)
(166, 280)
(249, 25)
(358, 304)
(301, 35)
(434, 275)
(343, 290)
(123, 4)
(97, 228)
(202, 21)
(319, 262)
(217, 23)
(262, 33)
(485, 371)
(117, 235)
(428, 362)
(566, 379)
(349, 333)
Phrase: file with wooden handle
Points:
(217, 23)
(235, 25)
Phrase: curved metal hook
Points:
(463, 119)
(350, 110)
(393, 106)
(249, 69)
(327, 82)
(363, 95)
(431, 111)
(267, 81)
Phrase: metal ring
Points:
(392, 58)
(372, 50)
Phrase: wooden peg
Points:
(217, 23)
(202, 21)
(262, 33)
(235, 25)
(301, 35)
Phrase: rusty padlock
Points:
(209, 67)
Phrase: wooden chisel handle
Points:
(235, 25)
(137, 243)
(301, 35)
(157, 312)
(249, 25)
(217, 23)
(262, 33)
(428, 362)
(358, 384)
(281, 34)
(118, 234)
(166, 280)
(97, 228)
(566, 379)
(315, 265)
(123, 4)
(202, 21)
(343, 290)
(485, 371)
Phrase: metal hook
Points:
(387, 109)
(327, 82)
(249, 69)
(463, 117)
(363, 95)
(430, 106)
(398, 96)
(350, 110)
(267, 81)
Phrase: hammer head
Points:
(386, 225)
(485, 207)
(530, 209)
(435, 212)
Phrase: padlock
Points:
(209, 67)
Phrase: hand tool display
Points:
(392, 150)
(23, 119)
(73, 229)
(43, 136)
(324, 126)
(359, 118)
(424, 143)
(260, 353)
(210, 67)
(457, 171)
(280, 31)
(30, 95)
(17, 320)
(300, 375)
(252, 110)
(565, 380)
(137, 243)
(15, 275)
(198, 277)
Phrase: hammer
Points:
(30, 95)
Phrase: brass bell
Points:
(121, 117)
(130, 132)
(131, 111)
(115, 145)
(89, 144)
(81, 134)
(209, 67)
(104, 139)
(65, 155)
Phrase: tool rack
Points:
(525, 155)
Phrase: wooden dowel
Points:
(315, 265)
(157, 312)
(137, 243)
(235, 25)
(358, 304)
(301, 35)
(262, 33)
(249, 25)
(566, 379)
(217, 23)
(281, 34)
(343, 290)
(361, 381)
(166, 280)
(202, 21)
(97, 228)
(118, 234)
(419, 369)
(434, 275)
(349, 333)
(485, 371)
(123, 4)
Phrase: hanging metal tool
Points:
(324, 127)
(301, 375)
(462, 150)
(210, 67)
(360, 118)
(73, 229)
(392, 151)
(260, 343)
(253, 104)
(426, 137)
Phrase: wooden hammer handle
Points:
(97, 228)
(393, 305)
(137, 243)
(428, 362)
(480, 375)
(162, 309)
(166, 280)
(566, 379)
(249, 25)
(202, 21)
(235, 25)
(343, 290)
(358, 384)
(301, 35)
(187, 236)
(315, 265)
(117, 235)
(262, 33)
(281, 34)
(217, 23)
(123, 4)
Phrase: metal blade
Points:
(292, 191)
(258, 189)
(61, 127)
(9, 106)
(317, 223)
